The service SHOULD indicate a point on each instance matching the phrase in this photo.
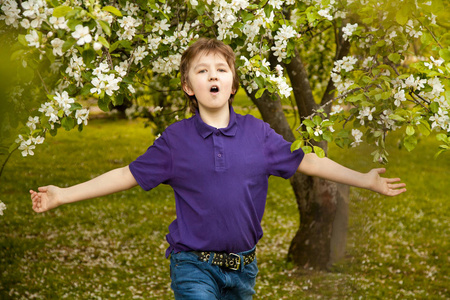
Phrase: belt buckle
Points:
(238, 262)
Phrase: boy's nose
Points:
(212, 78)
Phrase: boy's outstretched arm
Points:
(325, 168)
(48, 197)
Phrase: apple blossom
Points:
(82, 34)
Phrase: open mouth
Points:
(214, 89)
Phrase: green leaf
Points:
(308, 123)
(394, 57)
(22, 40)
(13, 147)
(104, 42)
(410, 130)
(105, 28)
(439, 153)
(434, 107)
(88, 56)
(297, 144)
(112, 10)
(61, 11)
(68, 123)
(401, 16)
(317, 120)
(319, 151)
(268, 10)
(327, 136)
(441, 137)
(396, 118)
(75, 106)
(410, 142)
(103, 104)
(68, 44)
(307, 149)
(259, 93)
(445, 54)
(424, 128)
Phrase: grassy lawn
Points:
(113, 247)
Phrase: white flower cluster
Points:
(357, 135)
(412, 29)
(129, 26)
(252, 69)
(347, 64)
(441, 120)
(105, 81)
(225, 16)
(75, 68)
(386, 121)
(11, 13)
(435, 64)
(365, 112)
(348, 30)
(35, 13)
(281, 40)
(54, 110)
(2, 207)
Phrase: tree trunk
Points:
(317, 199)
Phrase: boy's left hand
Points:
(385, 186)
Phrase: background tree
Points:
(353, 71)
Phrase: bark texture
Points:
(317, 199)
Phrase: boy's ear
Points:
(188, 90)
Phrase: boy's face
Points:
(211, 81)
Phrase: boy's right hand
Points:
(47, 197)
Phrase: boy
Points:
(218, 164)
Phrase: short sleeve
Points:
(154, 166)
(281, 161)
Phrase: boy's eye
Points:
(202, 71)
(222, 70)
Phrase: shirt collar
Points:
(205, 130)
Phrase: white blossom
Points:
(2, 207)
(57, 45)
(11, 13)
(27, 147)
(348, 30)
(58, 23)
(82, 34)
(161, 26)
(139, 54)
(410, 28)
(82, 116)
(32, 121)
(365, 112)
(357, 134)
(33, 39)
(64, 101)
(399, 97)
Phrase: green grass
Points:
(113, 247)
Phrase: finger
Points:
(396, 186)
(381, 170)
(43, 189)
(397, 192)
(391, 180)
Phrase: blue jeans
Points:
(197, 280)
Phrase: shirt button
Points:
(219, 155)
(217, 133)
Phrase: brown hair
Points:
(206, 46)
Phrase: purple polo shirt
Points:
(220, 179)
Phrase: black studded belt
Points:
(227, 260)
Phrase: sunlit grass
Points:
(113, 247)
